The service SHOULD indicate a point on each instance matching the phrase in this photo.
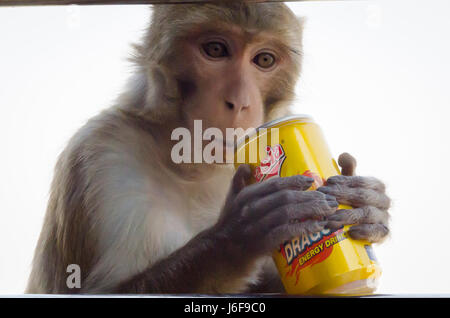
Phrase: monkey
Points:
(136, 222)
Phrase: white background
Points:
(376, 78)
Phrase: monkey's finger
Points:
(357, 197)
(357, 182)
(347, 163)
(295, 213)
(241, 178)
(258, 208)
(289, 231)
(374, 233)
(258, 190)
(363, 215)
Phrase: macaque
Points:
(136, 222)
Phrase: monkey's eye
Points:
(264, 60)
(215, 49)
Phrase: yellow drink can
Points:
(329, 263)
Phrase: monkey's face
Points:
(225, 75)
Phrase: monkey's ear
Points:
(151, 93)
(162, 86)
(162, 97)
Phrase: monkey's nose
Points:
(229, 105)
(232, 106)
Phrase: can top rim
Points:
(283, 119)
(270, 124)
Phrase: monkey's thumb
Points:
(241, 178)
(347, 163)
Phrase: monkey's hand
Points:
(367, 197)
(257, 218)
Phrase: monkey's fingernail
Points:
(325, 190)
(333, 225)
(334, 217)
(333, 203)
(331, 180)
(330, 197)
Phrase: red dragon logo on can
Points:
(270, 166)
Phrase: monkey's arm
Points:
(200, 266)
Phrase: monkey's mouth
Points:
(226, 143)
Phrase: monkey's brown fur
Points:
(136, 222)
(116, 164)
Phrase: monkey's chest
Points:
(203, 208)
(203, 212)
